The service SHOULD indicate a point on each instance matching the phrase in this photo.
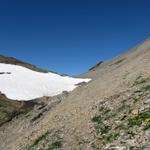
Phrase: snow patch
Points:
(24, 84)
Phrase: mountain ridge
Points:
(14, 61)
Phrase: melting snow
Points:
(20, 83)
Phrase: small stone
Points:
(147, 101)
(135, 112)
(142, 109)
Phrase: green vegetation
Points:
(97, 119)
(105, 131)
(147, 127)
(111, 137)
(113, 121)
(116, 111)
(55, 145)
(137, 96)
(100, 127)
(46, 144)
(42, 137)
(130, 133)
(38, 140)
(146, 88)
(138, 120)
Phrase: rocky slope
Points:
(110, 112)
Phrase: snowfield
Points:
(20, 83)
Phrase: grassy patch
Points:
(111, 137)
(47, 142)
(97, 119)
(55, 145)
(147, 127)
(117, 111)
(100, 127)
(103, 130)
(138, 120)
(39, 139)
(146, 88)
(136, 99)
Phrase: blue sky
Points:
(69, 36)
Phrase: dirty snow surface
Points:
(20, 83)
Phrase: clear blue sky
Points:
(69, 36)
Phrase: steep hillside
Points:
(119, 61)
(110, 112)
